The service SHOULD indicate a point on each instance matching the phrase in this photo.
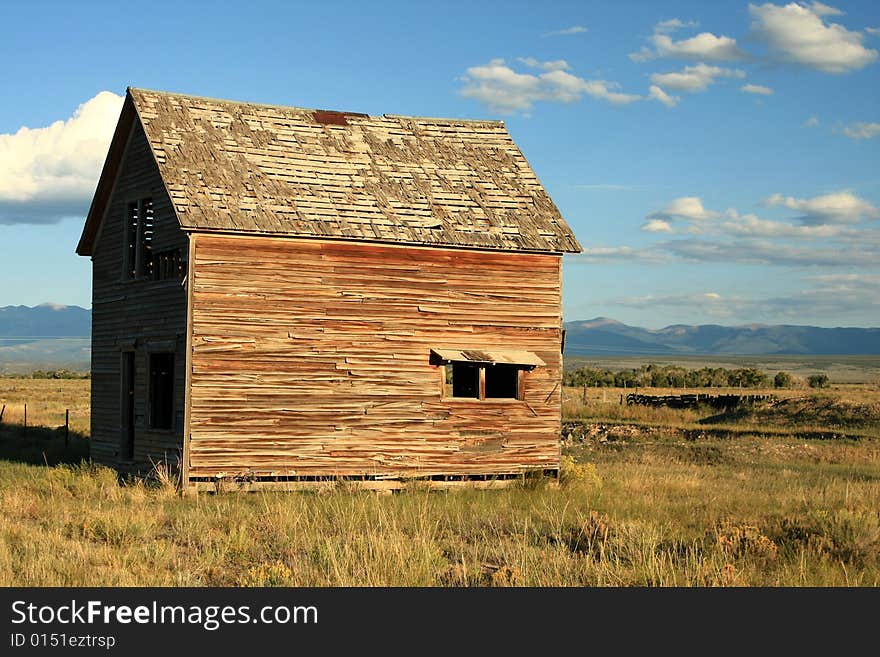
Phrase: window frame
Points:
(446, 388)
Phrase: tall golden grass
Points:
(658, 512)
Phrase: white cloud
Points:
(506, 91)
(824, 10)
(751, 226)
(694, 78)
(611, 253)
(656, 93)
(798, 34)
(756, 89)
(554, 65)
(607, 91)
(685, 207)
(704, 46)
(873, 30)
(861, 130)
(811, 122)
(769, 253)
(741, 250)
(657, 226)
(574, 29)
(842, 207)
(51, 172)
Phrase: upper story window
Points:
(142, 261)
(139, 229)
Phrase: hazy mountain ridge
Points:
(606, 336)
(50, 336)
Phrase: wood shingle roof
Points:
(233, 166)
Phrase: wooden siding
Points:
(311, 357)
(143, 315)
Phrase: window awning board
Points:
(493, 356)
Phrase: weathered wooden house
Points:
(290, 296)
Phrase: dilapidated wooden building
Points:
(288, 295)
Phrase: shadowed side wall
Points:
(136, 315)
(313, 358)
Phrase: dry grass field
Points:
(656, 497)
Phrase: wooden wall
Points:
(312, 358)
(148, 315)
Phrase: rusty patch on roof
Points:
(332, 117)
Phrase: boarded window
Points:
(139, 235)
(167, 265)
(161, 390)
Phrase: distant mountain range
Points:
(51, 336)
(603, 336)
(48, 336)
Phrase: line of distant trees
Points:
(50, 374)
(674, 376)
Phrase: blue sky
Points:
(718, 161)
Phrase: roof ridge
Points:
(313, 109)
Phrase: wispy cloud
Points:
(834, 295)
(831, 230)
(567, 31)
(50, 172)
(841, 207)
(685, 207)
(766, 252)
(694, 78)
(656, 93)
(860, 131)
(758, 89)
(506, 91)
(811, 122)
(704, 46)
(800, 34)
(554, 65)
(736, 251)
(657, 226)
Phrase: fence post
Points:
(66, 427)
(25, 417)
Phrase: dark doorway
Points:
(128, 378)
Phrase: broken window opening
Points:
(161, 390)
(484, 373)
(502, 381)
(139, 234)
(463, 380)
